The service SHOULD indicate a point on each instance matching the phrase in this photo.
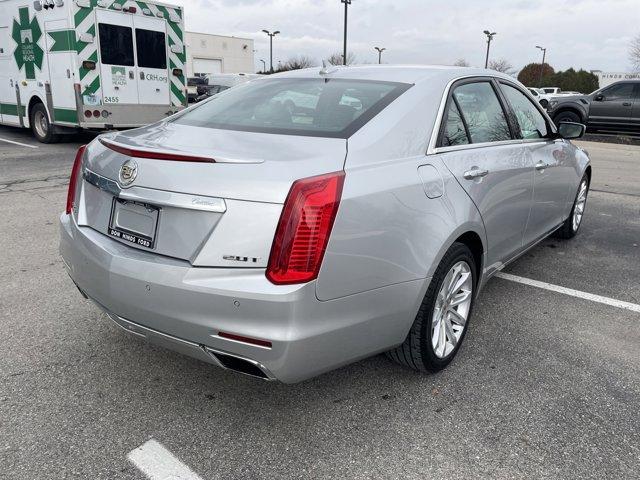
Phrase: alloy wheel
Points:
(578, 209)
(452, 308)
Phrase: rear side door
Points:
(7, 81)
(59, 43)
(552, 162)
(479, 147)
(613, 105)
(152, 63)
(117, 58)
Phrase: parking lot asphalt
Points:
(547, 385)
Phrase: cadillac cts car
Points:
(297, 223)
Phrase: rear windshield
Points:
(296, 106)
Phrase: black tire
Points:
(41, 125)
(567, 116)
(568, 229)
(416, 351)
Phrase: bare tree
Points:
(461, 62)
(502, 65)
(297, 63)
(336, 58)
(634, 53)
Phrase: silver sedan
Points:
(303, 221)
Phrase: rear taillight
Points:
(73, 179)
(304, 228)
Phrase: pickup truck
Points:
(615, 107)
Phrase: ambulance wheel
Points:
(40, 125)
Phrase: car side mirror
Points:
(599, 98)
(571, 130)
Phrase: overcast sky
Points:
(589, 34)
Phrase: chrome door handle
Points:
(541, 165)
(475, 172)
(626, 104)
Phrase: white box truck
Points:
(91, 64)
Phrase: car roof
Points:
(412, 74)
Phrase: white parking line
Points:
(569, 291)
(158, 463)
(18, 143)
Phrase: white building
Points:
(607, 78)
(208, 54)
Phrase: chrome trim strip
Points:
(471, 146)
(173, 199)
(163, 198)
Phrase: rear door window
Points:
(151, 49)
(116, 44)
(482, 112)
(455, 132)
(618, 92)
(532, 123)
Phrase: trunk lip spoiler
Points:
(172, 155)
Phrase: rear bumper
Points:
(171, 303)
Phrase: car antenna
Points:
(326, 70)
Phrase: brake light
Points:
(132, 152)
(304, 229)
(73, 179)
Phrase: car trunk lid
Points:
(221, 210)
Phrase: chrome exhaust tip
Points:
(240, 364)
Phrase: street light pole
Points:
(490, 36)
(544, 55)
(346, 7)
(380, 50)
(271, 35)
(264, 66)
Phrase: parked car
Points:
(192, 87)
(540, 95)
(245, 233)
(615, 107)
(222, 81)
(552, 90)
(211, 90)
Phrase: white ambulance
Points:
(93, 64)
